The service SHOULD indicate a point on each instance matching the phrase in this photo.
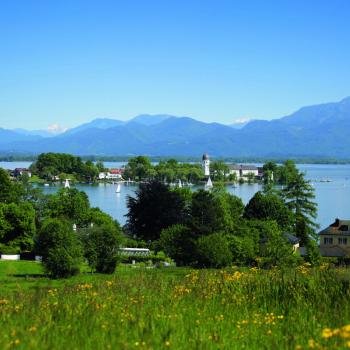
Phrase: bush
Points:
(178, 244)
(62, 263)
(213, 251)
(101, 247)
(60, 248)
(313, 255)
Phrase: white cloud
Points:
(56, 129)
(242, 120)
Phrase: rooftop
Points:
(242, 167)
(339, 227)
(205, 156)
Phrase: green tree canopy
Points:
(298, 196)
(178, 243)
(213, 251)
(71, 204)
(101, 245)
(268, 207)
(154, 208)
(214, 211)
(138, 168)
(10, 192)
(17, 226)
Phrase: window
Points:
(328, 240)
(342, 240)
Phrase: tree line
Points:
(62, 228)
(53, 166)
(195, 228)
(215, 229)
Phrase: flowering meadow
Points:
(175, 308)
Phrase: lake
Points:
(333, 197)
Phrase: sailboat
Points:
(180, 184)
(66, 184)
(209, 184)
(117, 189)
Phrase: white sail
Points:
(209, 184)
(180, 184)
(117, 190)
(66, 184)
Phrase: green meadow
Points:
(139, 308)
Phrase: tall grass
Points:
(180, 309)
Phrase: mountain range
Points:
(314, 131)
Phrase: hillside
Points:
(313, 131)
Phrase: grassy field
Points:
(174, 309)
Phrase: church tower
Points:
(206, 164)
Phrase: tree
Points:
(101, 245)
(243, 242)
(178, 243)
(154, 208)
(270, 172)
(219, 170)
(214, 211)
(100, 166)
(268, 207)
(50, 165)
(71, 204)
(138, 168)
(298, 196)
(286, 173)
(17, 226)
(213, 251)
(9, 192)
(59, 247)
(99, 218)
(274, 247)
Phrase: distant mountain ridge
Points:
(313, 131)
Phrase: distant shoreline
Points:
(298, 160)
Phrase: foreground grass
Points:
(174, 309)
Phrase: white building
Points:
(206, 164)
(243, 170)
(112, 174)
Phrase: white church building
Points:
(206, 164)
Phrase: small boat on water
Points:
(209, 184)
(46, 185)
(180, 184)
(66, 184)
(117, 189)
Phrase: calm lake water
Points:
(333, 197)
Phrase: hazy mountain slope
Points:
(313, 131)
(99, 123)
(150, 119)
(9, 136)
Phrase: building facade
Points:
(335, 239)
(241, 170)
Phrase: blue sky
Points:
(69, 62)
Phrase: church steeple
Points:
(206, 164)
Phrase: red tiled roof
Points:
(116, 171)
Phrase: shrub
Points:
(178, 243)
(60, 248)
(101, 247)
(213, 251)
(62, 262)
